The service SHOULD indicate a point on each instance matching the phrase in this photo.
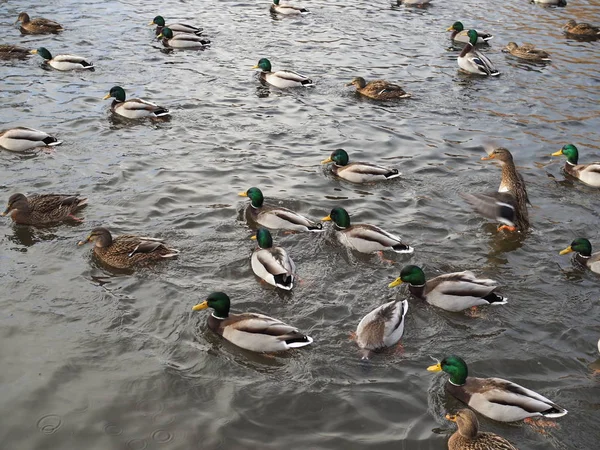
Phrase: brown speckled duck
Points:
(581, 29)
(39, 25)
(378, 89)
(468, 437)
(13, 51)
(43, 209)
(528, 52)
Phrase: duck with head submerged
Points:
(378, 89)
(287, 10)
(43, 209)
(133, 108)
(358, 172)
(184, 41)
(472, 61)
(159, 21)
(282, 78)
(21, 139)
(381, 328)
(38, 26)
(272, 264)
(583, 254)
(64, 62)
(587, 173)
(459, 34)
(468, 436)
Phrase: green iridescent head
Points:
(579, 245)
(570, 151)
(339, 157)
(456, 26)
(43, 52)
(454, 366)
(339, 216)
(412, 275)
(473, 36)
(166, 33)
(263, 238)
(117, 92)
(159, 21)
(263, 64)
(276, 2)
(255, 195)
(219, 301)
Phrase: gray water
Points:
(100, 360)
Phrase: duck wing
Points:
(499, 206)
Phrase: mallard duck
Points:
(584, 255)
(21, 139)
(472, 61)
(581, 29)
(382, 327)
(528, 52)
(43, 209)
(378, 89)
(159, 21)
(459, 34)
(64, 62)
(13, 51)
(358, 172)
(181, 40)
(468, 437)
(587, 173)
(39, 25)
(275, 217)
(282, 78)
(272, 264)
(509, 205)
(127, 251)
(551, 2)
(363, 237)
(452, 291)
(251, 331)
(286, 9)
(133, 108)
(494, 398)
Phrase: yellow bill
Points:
(151, 23)
(243, 194)
(326, 219)
(255, 67)
(396, 282)
(328, 160)
(107, 96)
(200, 306)
(253, 238)
(33, 52)
(160, 36)
(558, 153)
(566, 250)
(436, 368)
(450, 28)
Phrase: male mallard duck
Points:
(468, 437)
(64, 62)
(281, 78)
(43, 209)
(584, 255)
(21, 139)
(159, 21)
(286, 9)
(39, 25)
(382, 327)
(581, 29)
(452, 291)
(588, 173)
(472, 61)
(528, 52)
(133, 108)
(127, 251)
(494, 398)
(275, 217)
(251, 331)
(378, 89)
(363, 237)
(459, 34)
(13, 51)
(272, 264)
(358, 172)
(181, 40)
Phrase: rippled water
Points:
(96, 360)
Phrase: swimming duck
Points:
(581, 29)
(494, 398)
(43, 209)
(528, 52)
(127, 251)
(39, 25)
(286, 9)
(459, 34)
(363, 237)
(587, 173)
(584, 255)
(13, 51)
(275, 217)
(472, 61)
(378, 89)
(358, 172)
(382, 327)
(181, 40)
(134, 108)
(251, 331)
(282, 78)
(452, 291)
(272, 264)
(64, 62)
(551, 2)
(159, 21)
(468, 437)
(21, 139)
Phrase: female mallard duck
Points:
(459, 34)
(275, 217)
(528, 52)
(581, 29)
(127, 251)
(286, 9)
(181, 40)
(468, 437)
(494, 398)
(134, 108)
(43, 209)
(378, 89)
(472, 61)
(363, 237)
(587, 173)
(251, 331)
(159, 21)
(39, 25)
(63, 62)
(382, 327)
(21, 139)
(13, 51)
(282, 78)
(452, 291)
(584, 255)
(272, 264)
(358, 172)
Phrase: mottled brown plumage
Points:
(43, 209)
(467, 437)
(581, 29)
(13, 51)
(528, 52)
(39, 25)
(378, 89)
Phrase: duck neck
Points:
(417, 290)
(468, 429)
(509, 176)
(466, 50)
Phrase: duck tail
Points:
(298, 340)
(496, 299)
(554, 412)
(307, 83)
(51, 141)
(394, 173)
(402, 248)
(316, 227)
(162, 112)
(284, 281)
